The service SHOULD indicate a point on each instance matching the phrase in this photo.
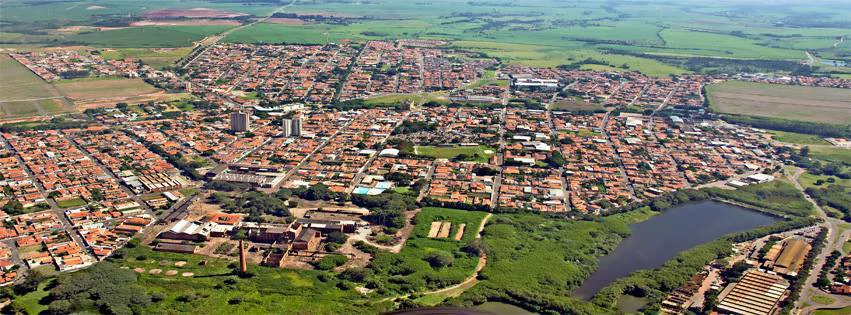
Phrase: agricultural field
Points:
(539, 32)
(25, 95)
(825, 105)
(147, 36)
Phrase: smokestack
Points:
(243, 266)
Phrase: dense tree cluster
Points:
(813, 128)
(254, 203)
(104, 288)
(833, 195)
(386, 209)
(413, 127)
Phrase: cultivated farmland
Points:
(825, 105)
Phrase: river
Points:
(663, 236)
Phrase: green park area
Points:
(479, 153)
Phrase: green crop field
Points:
(802, 103)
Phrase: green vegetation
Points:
(428, 263)
(831, 153)
(457, 153)
(797, 138)
(24, 94)
(838, 311)
(576, 106)
(834, 196)
(569, 249)
(76, 202)
(29, 301)
(778, 196)
(214, 287)
(656, 38)
(255, 204)
(147, 36)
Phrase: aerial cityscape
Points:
(440, 157)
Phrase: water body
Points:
(663, 236)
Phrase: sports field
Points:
(24, 94)
(825, 105)
(479, 153)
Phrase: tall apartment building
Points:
(292, 127)
(239, 121)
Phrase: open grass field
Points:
(474, 153)
(797, 138)
(416, 99)
(831, 153)
(155, 57)
(825, 105)
(30, 301)
(840, 311)
(23, 94)
(94, 90)
(575, 105)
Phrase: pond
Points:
(663, 236)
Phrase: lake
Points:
(663, 236)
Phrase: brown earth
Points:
(191, 13)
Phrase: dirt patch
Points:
(286, 21)
(329, 14)
(445, 227)
(191, 13)
(183, 22)
(435, 227)
(460, 233)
